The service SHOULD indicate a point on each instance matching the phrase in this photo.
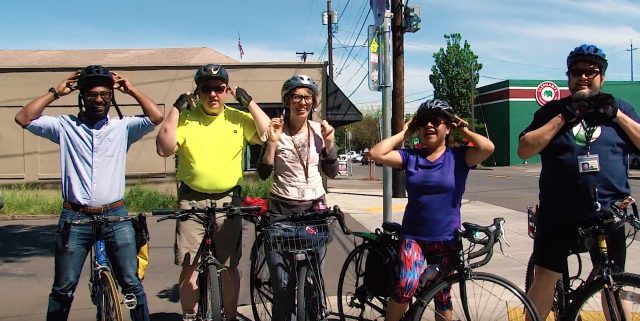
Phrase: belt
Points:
(92, 209)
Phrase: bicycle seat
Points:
(392, 227)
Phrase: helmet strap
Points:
(113, 102)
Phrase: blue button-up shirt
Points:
(92, 158)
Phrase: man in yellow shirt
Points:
(210, 138)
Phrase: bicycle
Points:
(102, 286)
(474, 295)
(300, 237)
(578, 299)
(209, 268)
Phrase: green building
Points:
(507, 107)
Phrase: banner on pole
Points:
(374, 58)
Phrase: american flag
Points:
(240, 50)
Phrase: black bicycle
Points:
(476, 296)
(299, 237)
(603, 294)
(102, 285)
(209, 268)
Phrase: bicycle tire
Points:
(588, 305)
(308, 295)
(260, 282)
(354, 301)
(210, 294)
(108, 302)
(488, 297)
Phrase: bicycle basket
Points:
(297, 236)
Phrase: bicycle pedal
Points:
(130, 301)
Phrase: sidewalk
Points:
(362, 200)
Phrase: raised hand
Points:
(459, 123)
(68, 85)
(121, 83)
(328, 133)
(275, 129)
(241, 96)
(184, 101)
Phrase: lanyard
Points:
(588, 134)
(303, 163)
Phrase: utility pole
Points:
(397, 104)
(631, 54)
(330, 38)
(386, 113)
(303, 55)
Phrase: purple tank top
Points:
(434, 192)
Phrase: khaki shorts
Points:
(227, 235)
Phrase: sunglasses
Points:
(217, 89)
(587, 72)
(434, 120)
(105, 95)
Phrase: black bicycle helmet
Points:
(211, 71)
(298, 81)
(588, 53)
(431, 107)
(94, 75)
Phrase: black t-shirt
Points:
(566, 194)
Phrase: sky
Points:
(514, 39)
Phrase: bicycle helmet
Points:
(588, 53)
(432, 107)
(211, 71)
(94, 75)
(298, 81)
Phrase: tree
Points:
(364, 134)
(455, 74)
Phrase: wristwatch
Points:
(55, 93)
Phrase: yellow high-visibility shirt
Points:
(211, 148)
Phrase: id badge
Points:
(588, 163)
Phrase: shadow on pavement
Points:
(163, 316)
(19, 242)
(171, 294)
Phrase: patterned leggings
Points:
(413, 257)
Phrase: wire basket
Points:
(297, 236)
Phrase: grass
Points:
(30, 199)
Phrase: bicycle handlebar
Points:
(491, 234)
(227, 209)
(335, 211)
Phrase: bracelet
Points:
(55, 93)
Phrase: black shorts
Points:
(555, 241)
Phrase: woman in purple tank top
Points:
(436, 175)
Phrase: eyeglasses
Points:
(105, 95)
(217, 89)
(587, 72)
(299, 98)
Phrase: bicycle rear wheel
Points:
(107, 301)
(260, 282)
(355, 302)
(210, 294)
(309, 295)
(481, 296)
(623, 295)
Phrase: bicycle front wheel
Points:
(309, 297)
(210, 294)
(480, 296)
(107, 298)
(355, 302)
(620, 301)
(260, 282)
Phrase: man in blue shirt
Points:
(588, 127)
(93, 150)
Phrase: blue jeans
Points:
(121, 250)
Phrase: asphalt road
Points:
(26, 270)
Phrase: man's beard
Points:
(584, 94)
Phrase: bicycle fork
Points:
(314, 264)
(102, 264)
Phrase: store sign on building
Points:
(546, 92)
